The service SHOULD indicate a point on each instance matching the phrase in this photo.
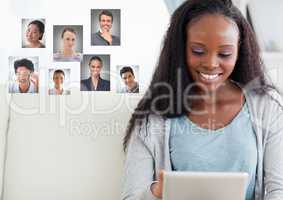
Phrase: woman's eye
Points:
(197, 51)
(225, 55)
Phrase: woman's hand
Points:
(157, 188)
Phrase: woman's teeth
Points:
(209, 76)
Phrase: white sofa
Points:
(55, 154)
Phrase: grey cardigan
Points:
(148, 150)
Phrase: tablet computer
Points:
(204, 185)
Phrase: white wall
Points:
(71, 147)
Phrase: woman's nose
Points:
(211, 62)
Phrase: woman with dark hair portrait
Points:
(34, 34)
(67, 52)
(58, 80)
(95, 82)
(209, 107)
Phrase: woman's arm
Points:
(273, 157)
(139, 169)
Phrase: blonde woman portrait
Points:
(67, 44)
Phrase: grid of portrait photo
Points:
(92, 69)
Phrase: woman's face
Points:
(69, 40)
(95, 67)
(33, 34)
(58, 78)
(212, 49)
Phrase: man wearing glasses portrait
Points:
(26, 80)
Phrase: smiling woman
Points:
(34, 33)
(212, 50)
(209, 79)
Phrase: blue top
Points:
(232, 148)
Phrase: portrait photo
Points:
(127, 79)
(33, 33)
(23, 74)
(95, 73)
(59, 81)
(105, 27)
(67, 43)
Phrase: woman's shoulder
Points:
(78, 56)
(269, 97)
(150, 119)
(276, 96)
(57, 55)
(155, 119)
(150, 125)
(265, 106)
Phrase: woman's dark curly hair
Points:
(248, 68)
